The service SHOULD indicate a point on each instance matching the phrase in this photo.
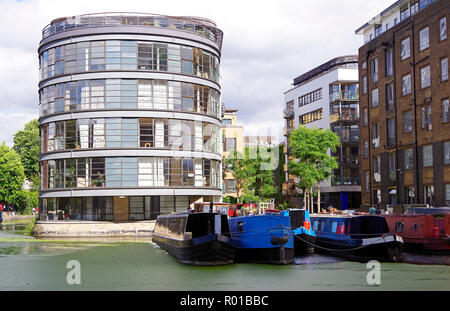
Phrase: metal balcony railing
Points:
(344, 116)
(288, 113)
(344, 96)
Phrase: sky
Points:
(266, 45)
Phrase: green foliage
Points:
(253, 182)
(11, 175)
(26, 144)
(25, 201)
(310, 148)
(30, 227)
(230, 199)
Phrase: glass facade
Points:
(132, 94)
(106, 124)
(126, 55)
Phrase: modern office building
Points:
(405, 119)
(130, 116)
(233, 140)
(327, 97)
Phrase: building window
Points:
(426, 118)
(444, 69)
(446, 152)
(405, 49)
(376, 169)
(447, 195)
(391, 166)
(374, 70)
(310, 97)
(390, 127)
(389, 62)
(231, 185)
(427, 155)
(425, 78)
(375, 136)
(443, 29)
(365, 117)
(404, 12)
(226, 121)
(363, 65)
(407, 121)
(367, 181)
(378, 30)
(366, 149)
(374, 99)
(409, 195)
(409, 159)
(414, 7)
(364, 84)
(406, 84)
(390, 96)
(428, 195)
(424, 38)
(445, 111)
(230, 144)
(311, 116)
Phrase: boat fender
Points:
(338, 230)
(275, 240)
(436, 232)
(343, 229)
(307, 225)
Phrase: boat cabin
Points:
(361, 226)
(191, 226)
(212, 207)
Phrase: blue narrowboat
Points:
(195, 238)
(304, 236)
(262, 238)
(358, 238)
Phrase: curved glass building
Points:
(130, 117)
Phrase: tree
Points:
(311, 147)
(27, 145)
(253, 182)
(12, 175)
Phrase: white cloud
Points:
(266, 45)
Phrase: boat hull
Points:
(304, 244)
(212, 250)
(388, 248)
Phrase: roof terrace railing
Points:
(198, 26)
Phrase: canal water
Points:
(28, 263)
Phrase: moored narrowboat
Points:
(423, 230)
(359, 238)
(262, 238)
(304, 236)
(195, 238)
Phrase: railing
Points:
(344, 96)
(345, 182)
(200, 26)
(288, 113)
(344, 116)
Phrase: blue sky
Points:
(266, 45)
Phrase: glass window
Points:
(374, 101)
(405, 49)
(445, 111)
(366, 149)
(424, 39)
(409, 159)
(444, 69)
(365, 117)
(389, 62)
(374, 69)
(447, 195)
(390, 124)
(391, 166)
(406, 84)
(407, 121)
(427, 155)
(390, 96)
(447, 152)
(364, 84)
(425, 77)
(443, 29)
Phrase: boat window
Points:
(240, 226)
(315, 225)
(333, 226)
(415, 227)
(322, 225)
(399, 226)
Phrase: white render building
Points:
(327, 97)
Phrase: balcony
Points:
(352, 181)
(287, 131)
(348, 116)
(288, 113)
(344, 96)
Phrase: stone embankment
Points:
(73, 228)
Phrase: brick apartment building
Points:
(404, 105)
